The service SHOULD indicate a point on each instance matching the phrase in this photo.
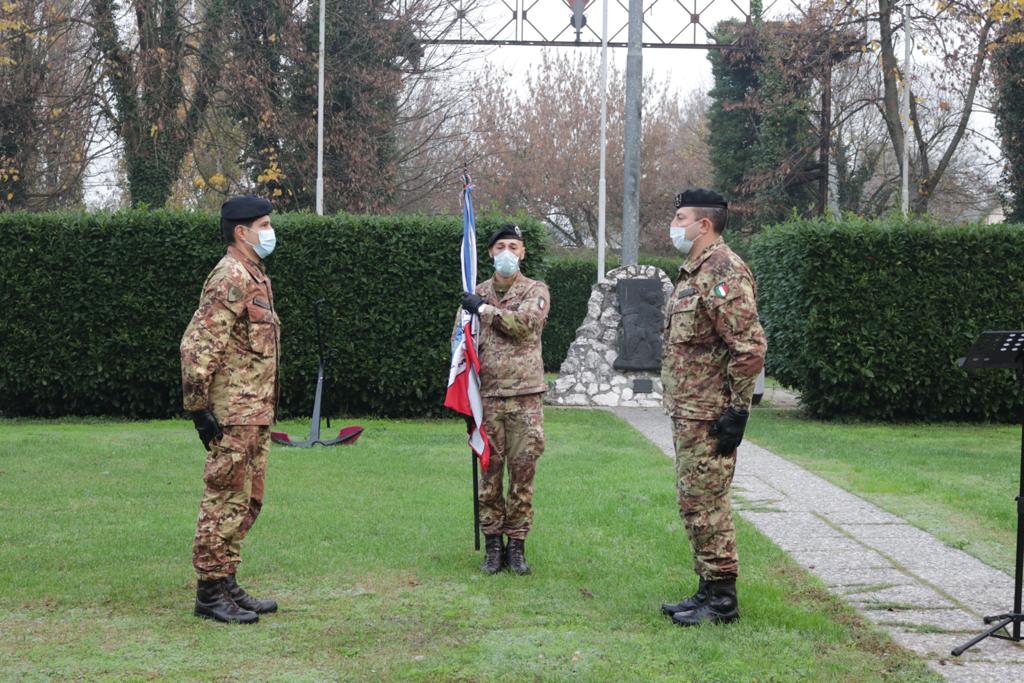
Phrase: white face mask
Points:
(265, 247)
(506, 263)
(679, 240)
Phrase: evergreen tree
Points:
(1008, 75)
(761, 133)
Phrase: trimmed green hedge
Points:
(868, 318)
(96, 305)
(570, 279)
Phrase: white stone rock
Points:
(588, 370)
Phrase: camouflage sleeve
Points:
(206, 337)
(733, 308)
(529, 317)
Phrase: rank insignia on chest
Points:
(721, 290)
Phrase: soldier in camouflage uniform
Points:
(512, 310)
(229, 377)
(714, 349)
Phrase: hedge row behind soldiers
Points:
(714, 350)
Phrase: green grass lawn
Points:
(368, 549)
(957, 481)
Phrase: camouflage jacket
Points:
(714, 344)
(231, 347)
(509, 344)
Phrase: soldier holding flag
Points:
(512, 310)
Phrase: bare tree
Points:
(537, 149)
(47, 86)
(160, 73)
(434, 129)
(955, 39)
(949, 152)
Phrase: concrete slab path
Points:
(928, 596)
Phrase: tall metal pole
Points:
(907, 40)
(631, 151)
(602, 196)
(320, 119)
(826, 136)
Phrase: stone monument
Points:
(615, 359)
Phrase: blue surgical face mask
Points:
(679, 240)
(265, 247)
(506, 263)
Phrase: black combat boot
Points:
(213, 602)
(721, 606)
(493, 558)
(516, 556)
(246, 601)
(692, 602)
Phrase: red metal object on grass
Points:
(347, 435)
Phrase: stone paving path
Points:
(928, 596)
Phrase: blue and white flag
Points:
(463, 395)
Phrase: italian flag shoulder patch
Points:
(721, 290)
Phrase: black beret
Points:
(506, 232)
(701, 197)
(245, 208)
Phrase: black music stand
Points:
(1003, 351)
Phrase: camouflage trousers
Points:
(234, 475)
(703, 478)
(515, 429)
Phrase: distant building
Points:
(996, 215)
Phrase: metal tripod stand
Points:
(1003, 350)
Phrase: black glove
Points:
(729, 429)
(472, 303)
(206, 425)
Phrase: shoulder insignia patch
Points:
(234, 294)
(721, 290)
(541, 302)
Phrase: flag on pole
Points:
(463, 395)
